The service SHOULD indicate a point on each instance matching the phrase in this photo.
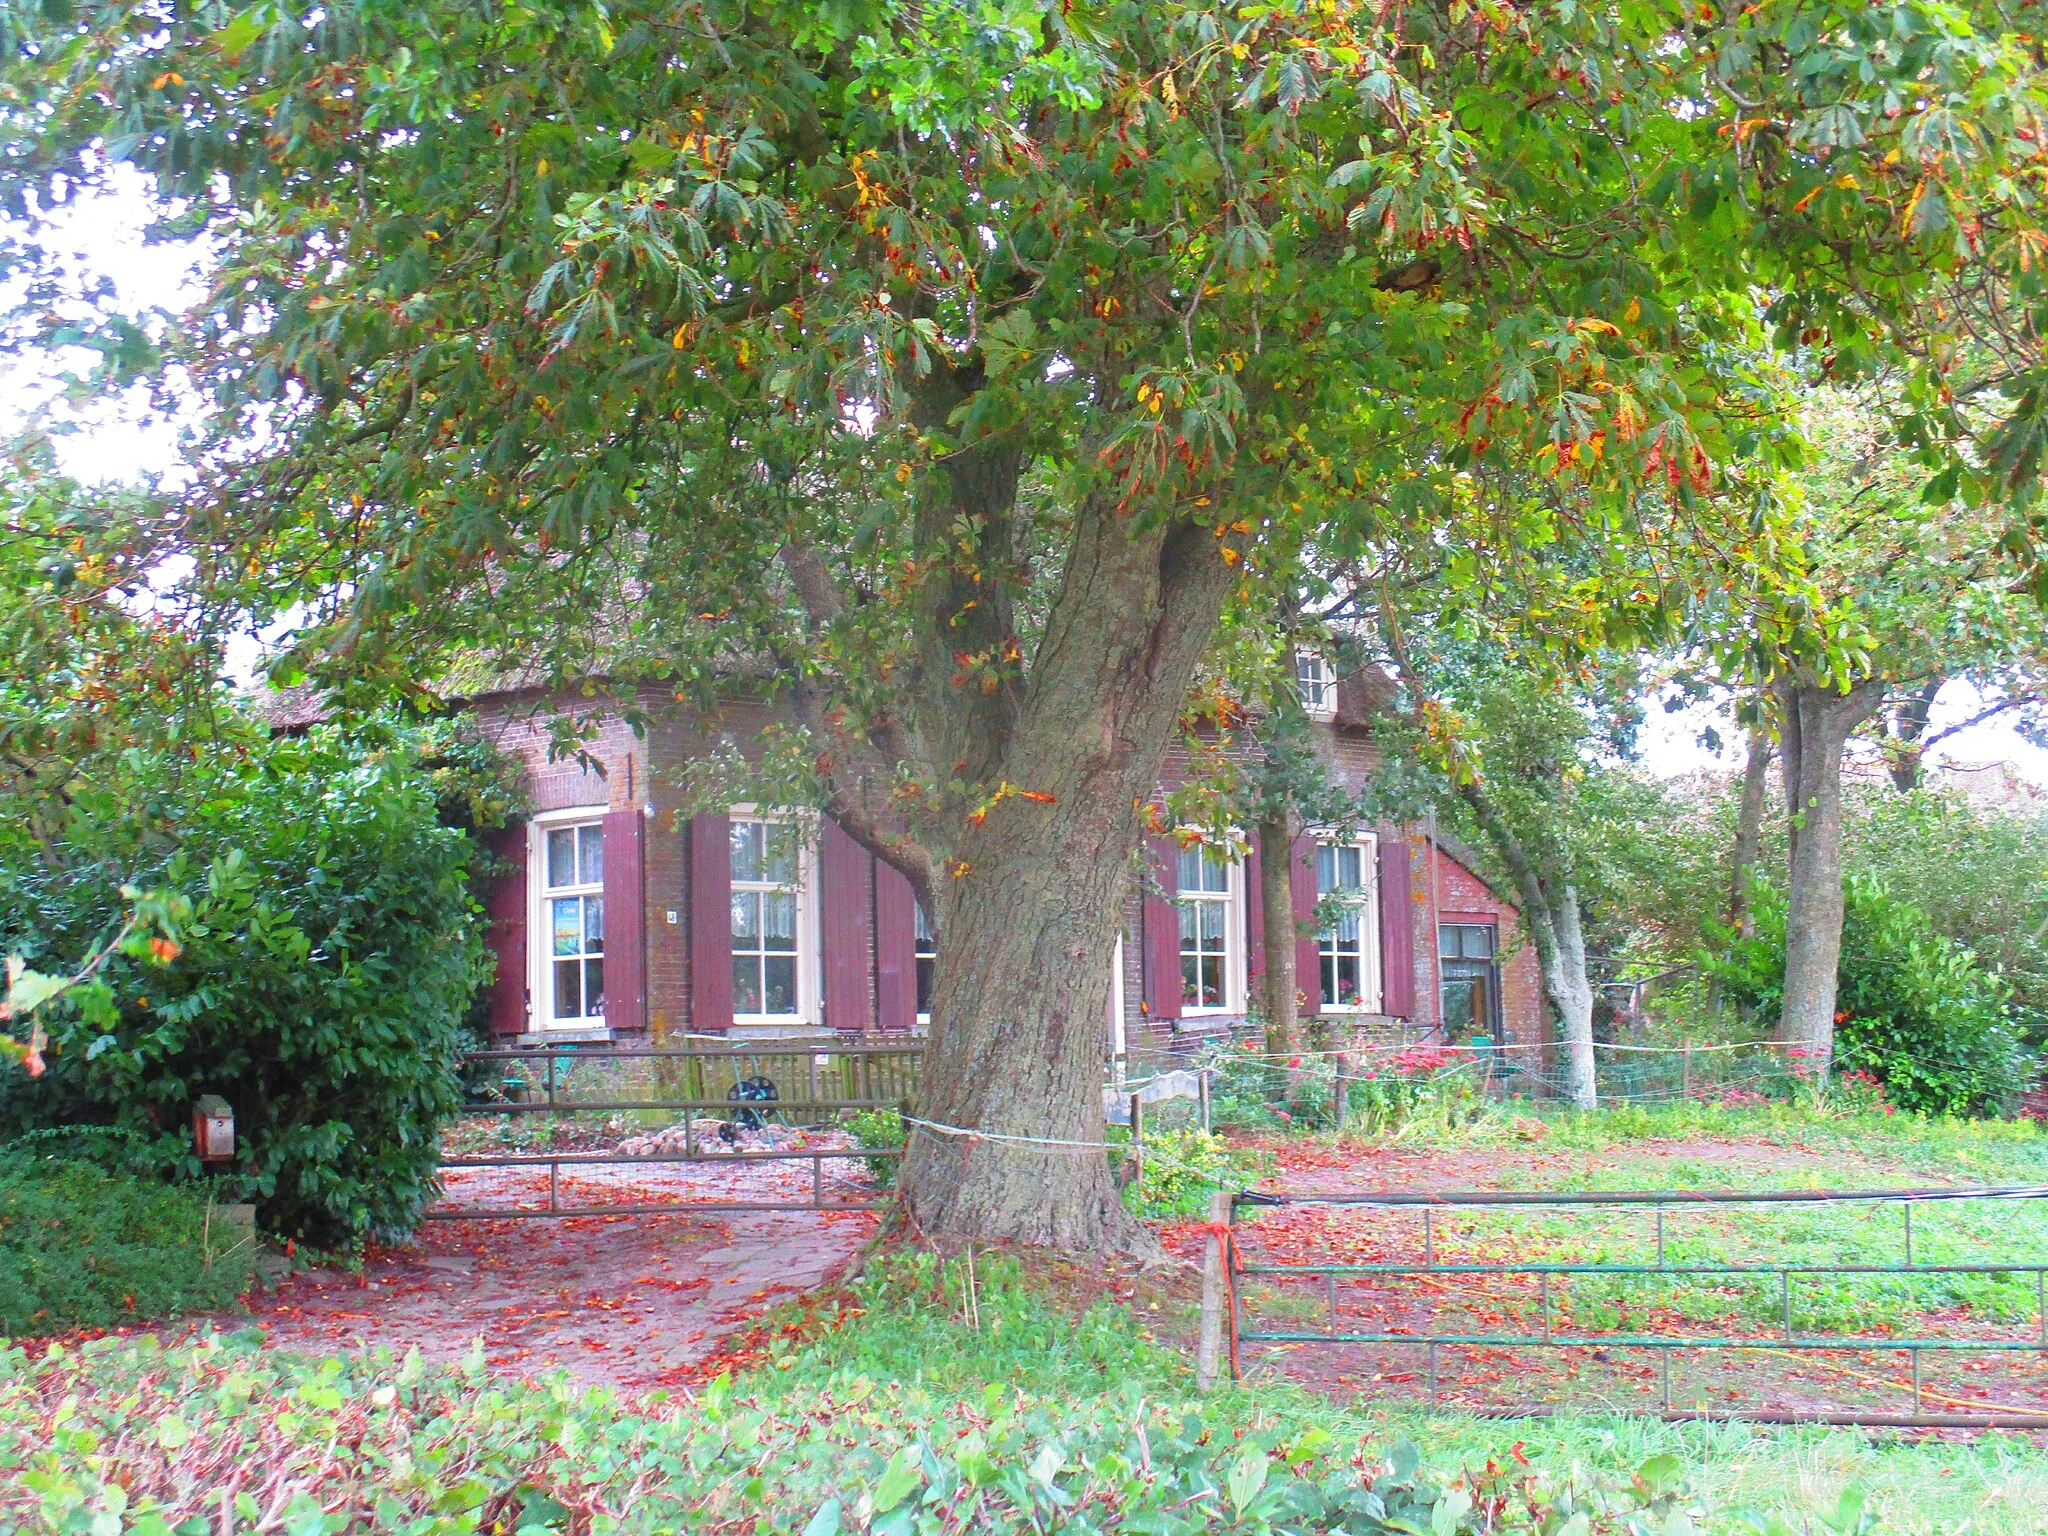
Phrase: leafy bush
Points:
(878, 1128)
(1182, 1168)
(84, 1247)
(362, 1443)
(320, 987)
(1917, 1011)
(1422, 1087)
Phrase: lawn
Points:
(927, 1396)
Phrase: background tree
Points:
(960, 366)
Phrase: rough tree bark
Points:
(1749, 828)
(1550, 906)
(1815, 723)
(1276, 896)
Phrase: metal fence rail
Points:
(555, 1162)
(1790, 1275)
(822, 1080)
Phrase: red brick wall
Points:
(641, 773)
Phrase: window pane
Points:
(1347, 929)
(1347, 980)
(1329, 978)
(568, 990)
(593, 925)
(746, 984)
(1479, 943)
(778, 921)
(1212, 923)
(1212, 981)
(1189, 924)
(1326, 869)
(567, 924)
(746, 850)
(593, 989)
(1350, 868)
(1215, 874)
(780, 979)
(922, 924)
(590, 854)
(1188, 869)
(926, 970)
(746, 920)
(779, 852)
(1191, 979)
(561, 857)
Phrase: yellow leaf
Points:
(542, 168)
(682, 335)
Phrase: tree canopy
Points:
(953, 367)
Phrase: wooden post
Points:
(1342, 1092)
(1215, 1294)
(1202, 1097)
(1137, 1140)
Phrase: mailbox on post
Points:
(213, 1129)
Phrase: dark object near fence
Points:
(752, 1090)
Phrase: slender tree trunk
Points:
(1029, 897)
(1903, 753)
(1550, 909)
(1815, 726)
(1749, 829)
(1276, 896)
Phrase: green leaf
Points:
(903, 1475)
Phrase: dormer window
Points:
(1315, 684)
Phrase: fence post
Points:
(1137, 1140)
(1688, 1069)
(1342, 1092)
(1215, 1293)
(1202, 1091)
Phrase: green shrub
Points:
(320, 989)
(1915, 1009)
(367, 1443)
(1182, 1168)
(82, 1247)
(878, 1128)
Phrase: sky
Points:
(122, 442)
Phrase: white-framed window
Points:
(774, 926)
(566, 864)
(1209, 890)
(925, 952)
(1347, 877)
(1315, 683)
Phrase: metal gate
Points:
(804, 1085)
(1492, 1279)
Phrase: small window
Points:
(1347, 948)
(1470, 978)
(1315, 683)
(926, 952)
(1208, 936)
(572, 906)
(766, 980)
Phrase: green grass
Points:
(916, 1330)
(84, 1247)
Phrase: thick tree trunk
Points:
(1749, 829)
(1028, 897)
(1815, 726)
(1276, 896)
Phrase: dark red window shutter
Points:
(843, 918)
(1308, 958)
(625, 921)
(895, 949)
(1254, 921)
(710, 922)
(1161, 916)
(506, 908)
(1397, 925)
